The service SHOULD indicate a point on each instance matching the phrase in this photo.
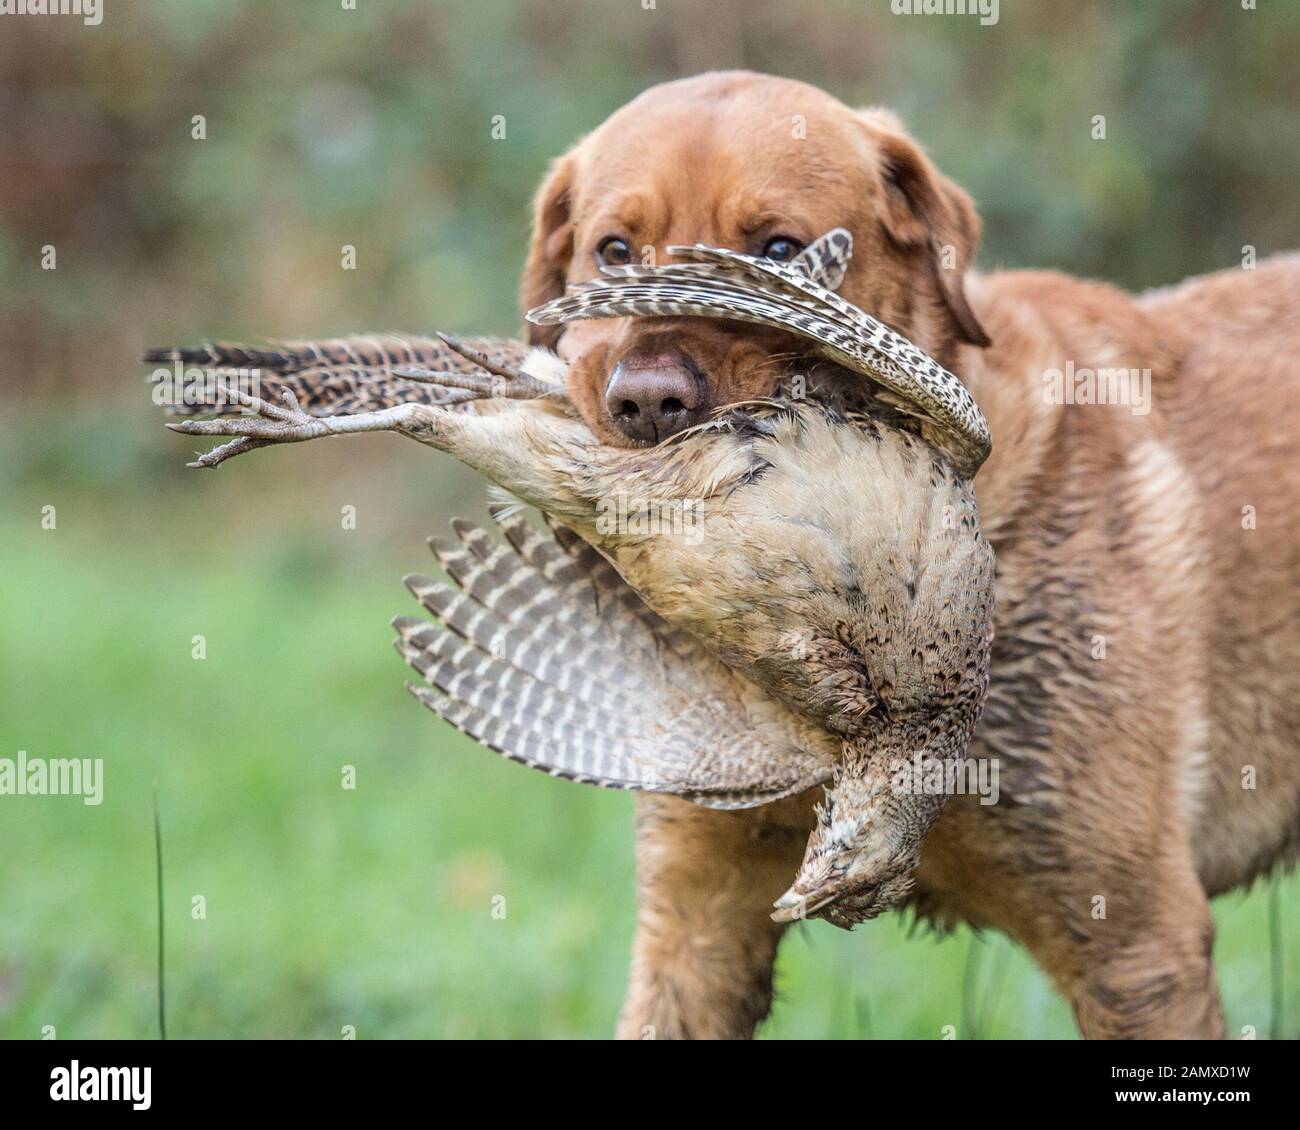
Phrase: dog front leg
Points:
(705, 941)
(1157, 986)
(1143, 968)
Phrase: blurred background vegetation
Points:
(327, 127)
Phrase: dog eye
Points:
(782, 249)
(614, 252)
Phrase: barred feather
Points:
(335, 376)
(547, 657)
(826, 259)
(717, 283)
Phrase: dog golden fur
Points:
(1145, 699)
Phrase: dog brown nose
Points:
(651, 396)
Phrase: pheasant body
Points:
(866, 613)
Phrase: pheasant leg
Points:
(273, 424)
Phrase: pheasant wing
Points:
(546, 656)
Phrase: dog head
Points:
(757, 164)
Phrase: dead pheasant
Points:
(838, 574)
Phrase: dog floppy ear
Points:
(551, 248)
(925, 211)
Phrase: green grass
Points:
(373, 908)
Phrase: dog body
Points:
(1144, 705)
(1145, 694)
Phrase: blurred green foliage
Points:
(328, 127)
(327, 907)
